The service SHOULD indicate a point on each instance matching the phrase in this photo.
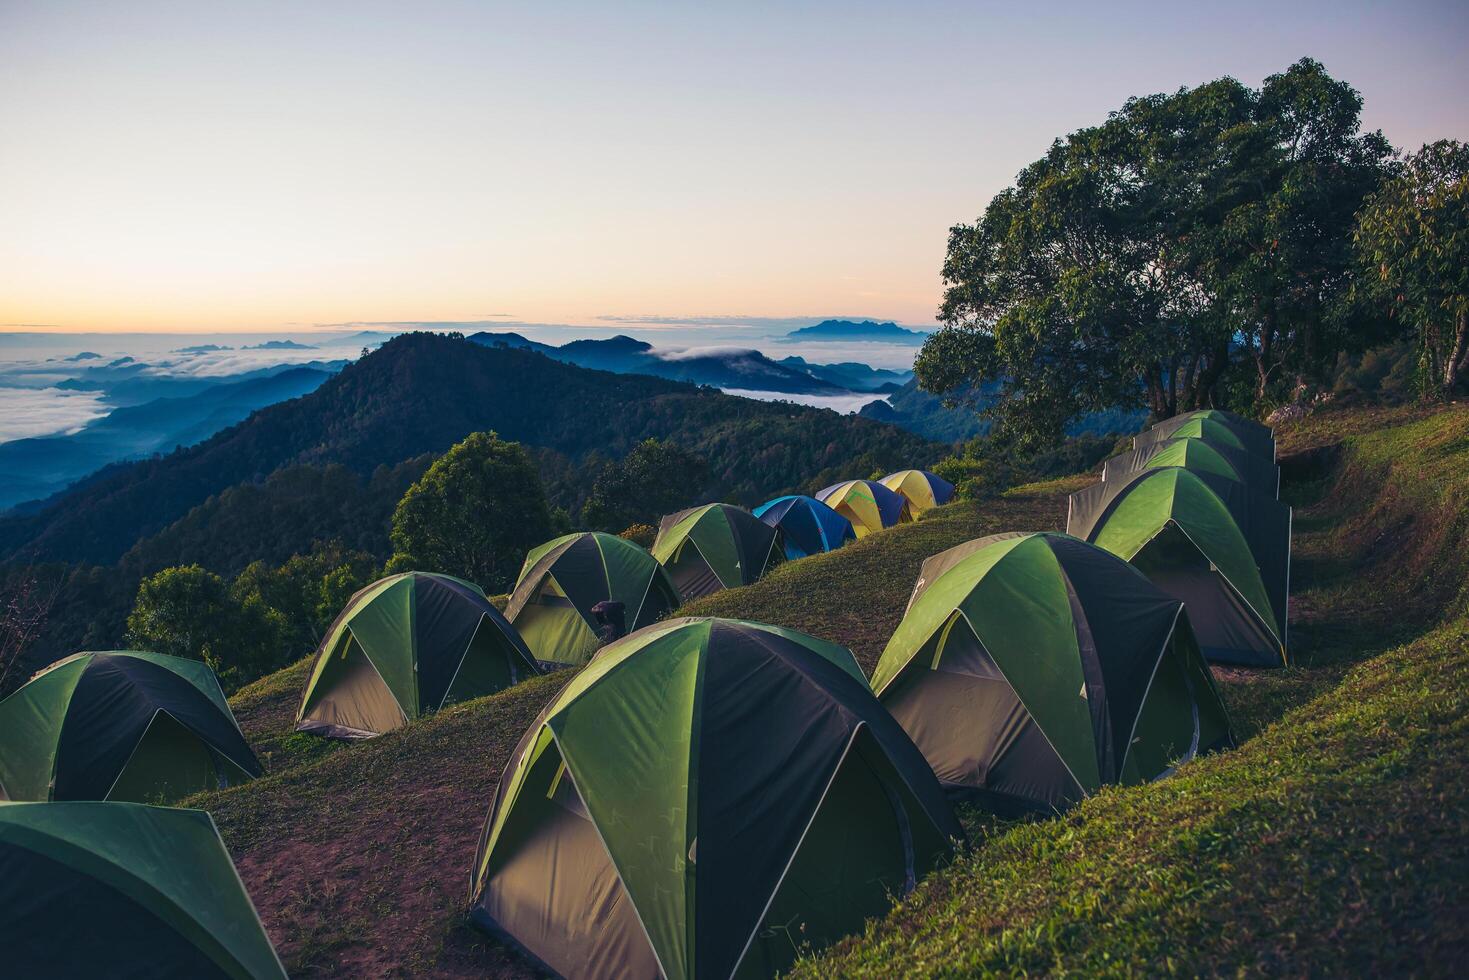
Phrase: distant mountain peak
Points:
(279, 345)
(858, 330)
(620, 344)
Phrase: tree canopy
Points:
(656, 478)
(1189, 240)
(475, 513)
(1413, 239)
(188, 611)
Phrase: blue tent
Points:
(807, 526)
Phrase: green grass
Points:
(1332, 840)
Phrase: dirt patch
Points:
(359, 864)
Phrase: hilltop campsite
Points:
(1116, 622)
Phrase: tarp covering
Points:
(716, 546)
(1236, 586)
(923, 490)
(123, 725)
(1214, 425)
(751, 771)
(562, 580)
(122, 890)
(807, 526)
(869, 505)
(407, 645)
(1024, 663)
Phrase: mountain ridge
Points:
(745, 370)
(424, 392)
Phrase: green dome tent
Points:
(1216, 425)
(120, 725)
(122, 890)
(562, 580)
(1184, 536)
(702, 798)
(404, 646)
(1032, 669)
(1201, 457)
(713, 547)
(1264, 521)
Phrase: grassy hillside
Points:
(358, 856)
(1336, 839)
(1335, 835)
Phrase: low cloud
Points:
(27, 412)
(691, 353)
(845, 404)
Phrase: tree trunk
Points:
(1458, 359)
(1209, 376)
(1262, 355)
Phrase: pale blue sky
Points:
(201, 166)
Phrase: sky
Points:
(209, 166)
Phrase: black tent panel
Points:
(169, 763)
(747, 675)
(111, 708)
(445, 617)
(1122, 629)
(59, 923)
(1228, 630)
(486, 666)
(852, 859)
(582, 573)
(976, 734)
(691, 574)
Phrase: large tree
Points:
(658, 477)
(475, 513)
(1143, 259)
(1275, 256)
(1413, 238)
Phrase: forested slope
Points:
(421, 393)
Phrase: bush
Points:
(189, 612)
(643, 534)
(656, 478)
(475, 513)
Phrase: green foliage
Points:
(307, 591)
(985, 467)
(975, 478)
(1388, 374)
(474, 514)
(656, 478)
(190, 612)
(1413, 239)
(282, 516)
(639, 534)
(1122, 269)
(422, 393)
